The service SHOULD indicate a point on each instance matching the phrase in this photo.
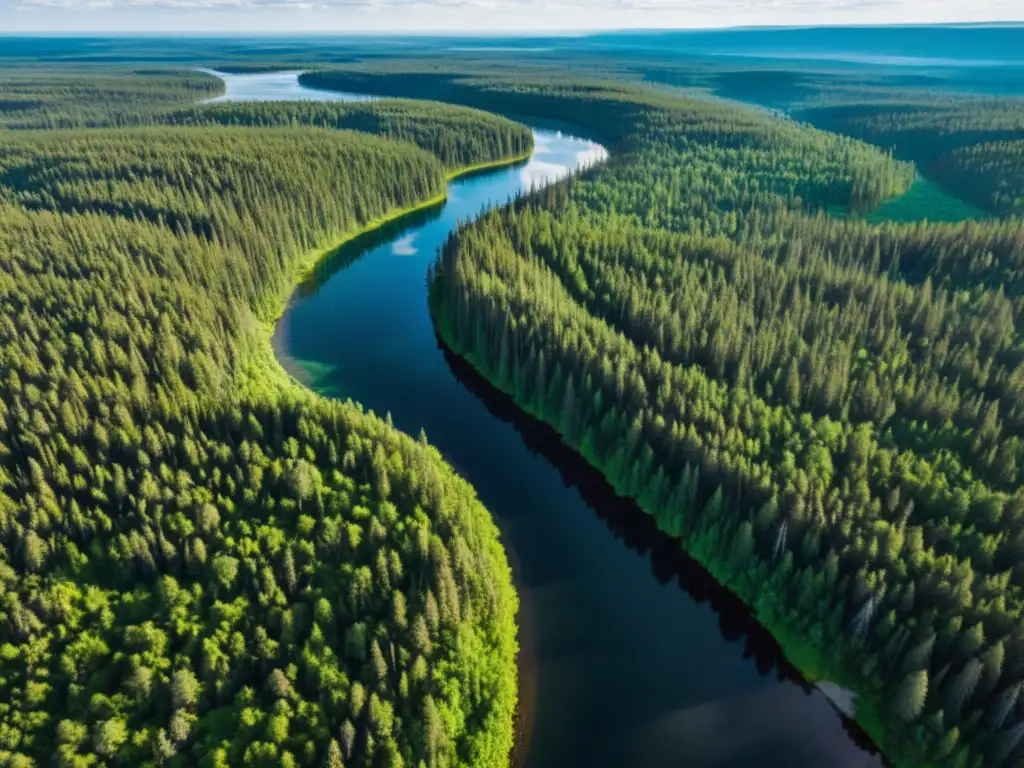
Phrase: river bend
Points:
(632, 655)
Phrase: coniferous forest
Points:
(824, 411)
(203, 562)
(200, 560)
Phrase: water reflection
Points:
(404, 246)
(706, 733)
(628, 670)
(543, 169)
(354, 249)
(274, 86)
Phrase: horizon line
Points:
(504, 33)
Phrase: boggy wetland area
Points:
(609, 400)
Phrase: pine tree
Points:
(909, 699)
(333, 759)
(793, 384)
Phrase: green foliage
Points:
(970, 145)
(458, 137)
(936, 117)
(199, 560)
(925, 128)
(991, 174)
(909, 701)
(693, 157)
(34, 97)
(717, 351)
(926, 200)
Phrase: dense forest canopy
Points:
(201, 559)
(458, 137)
(922, 116)
(950, 122)
(826, 412)
(32, 97)
(991, 173)
(202, 562)
(39, 99)
(754, 156)
(969, 145)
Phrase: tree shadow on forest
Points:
(669, 562)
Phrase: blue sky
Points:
(477, 15)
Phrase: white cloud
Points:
(504, 15)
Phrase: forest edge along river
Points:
(632, 654)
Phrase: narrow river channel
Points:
(632, 655)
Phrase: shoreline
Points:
(272, 361)
(525, 662)
(526, 668)
(308, 263)
(804, 658)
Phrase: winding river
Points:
(632, 655)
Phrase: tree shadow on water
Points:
(637, 530)
(351, 251)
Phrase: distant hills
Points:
(997, 43)
(952, 45)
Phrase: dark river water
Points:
(633, 656)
